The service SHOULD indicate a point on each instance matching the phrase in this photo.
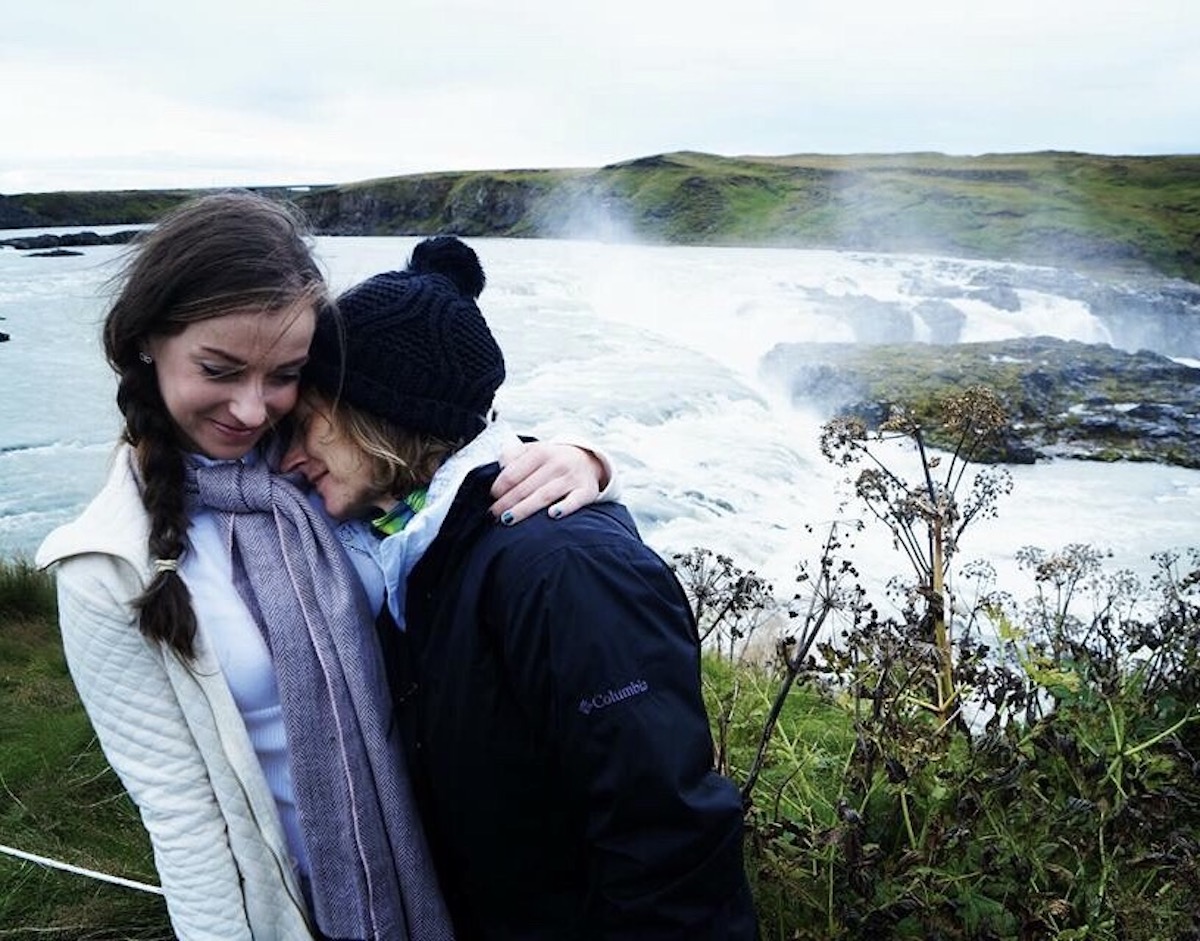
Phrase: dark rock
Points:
(466, 204)
(869, 319)
(71, 239)
(1000, 296)
(1063, 398)
(875, 321)
(873, 414)
(943, 320)
(487, 206)
(3, 337)
(827, 386)
(1011, 448)
(53, 253)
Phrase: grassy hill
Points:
(1090, 211)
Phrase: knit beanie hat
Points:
(412, 346)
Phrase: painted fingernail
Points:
(555, 511)
(506, 518)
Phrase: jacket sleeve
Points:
(124, 687)
(601, 648)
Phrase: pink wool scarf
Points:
(370, 868)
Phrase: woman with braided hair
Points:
(219, 628)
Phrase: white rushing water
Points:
(653, 353)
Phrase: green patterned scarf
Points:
(397, 518)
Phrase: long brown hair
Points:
(210, 256)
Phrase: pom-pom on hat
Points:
(412, 346)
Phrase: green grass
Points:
(806, 756)
(25, 592)
(100, 208)
(1097, 212)
(58, 797)
(867, 822)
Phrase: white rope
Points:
(91, 874)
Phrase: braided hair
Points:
(213, 255)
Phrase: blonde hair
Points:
(400, 460)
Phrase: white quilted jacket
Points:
(172, 733)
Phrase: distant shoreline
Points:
(1099, 213)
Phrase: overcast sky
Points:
(115, 94)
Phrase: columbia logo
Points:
(590, 704)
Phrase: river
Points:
(652, 353)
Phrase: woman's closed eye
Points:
(216, 371)
(286, 377)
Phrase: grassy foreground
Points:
(903, 778)
(58, 797)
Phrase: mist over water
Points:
(652, 353)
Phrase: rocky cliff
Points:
(1097, 213)
(1085, 210)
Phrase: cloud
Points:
(228, 93)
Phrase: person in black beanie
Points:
(416, 348)
(546, 676)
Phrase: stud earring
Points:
(145, 357)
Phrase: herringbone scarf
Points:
(371, 875)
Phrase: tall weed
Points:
(969, 768)
(25, 592)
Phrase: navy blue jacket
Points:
(548, 687)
